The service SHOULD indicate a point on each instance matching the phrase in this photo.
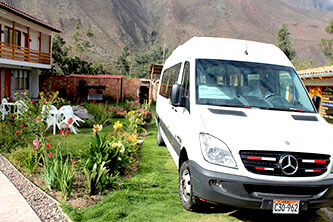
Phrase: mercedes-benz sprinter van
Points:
(242, 129)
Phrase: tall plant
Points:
(284, 42)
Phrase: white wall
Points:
(45, 43)
(34, 84)
(2, 79)
(34, 44)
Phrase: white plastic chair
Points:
(70, 111)
(64, 114)
(21, 107)
(50, 117)
(5, 109)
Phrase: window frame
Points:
(22, 79)
(172, 73)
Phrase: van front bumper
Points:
(251, 193)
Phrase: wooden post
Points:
(0, 50)
(150, 84)
(28, 43)
(13, 39)
(50, 49)
(40, 46)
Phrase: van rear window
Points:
(169, 77)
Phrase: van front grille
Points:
(289, 164)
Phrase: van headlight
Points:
(215, 151)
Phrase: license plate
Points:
(286, 206)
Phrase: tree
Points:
(81, 44)
(284, 42)
(123, 63)
(327, 44)
(143, 60)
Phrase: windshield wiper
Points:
(283, 109)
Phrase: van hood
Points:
(257, 129)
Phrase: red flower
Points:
(50, 155)
(117, 113)
(14, 116)
(59, 106)
(17, 132)
(67, 132)
(31, 102)
(48, 145)
(35, 148)
(70, 121)
(94, 102)
(50, 138)
(60, 131)
(57, 92)
(43, 102)
(83, 99)
(72, 160)
(22, 126)
(22, 93)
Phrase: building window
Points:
(21, 79)
(17, 38)
(8, 35)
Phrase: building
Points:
(25, 48)
(319, 81)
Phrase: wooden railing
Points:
(15, 52)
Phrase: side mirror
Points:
(316, 101)
(175, 94)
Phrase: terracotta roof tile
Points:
(325, 69)
(97, 76)
(28, 16)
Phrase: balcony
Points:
(19, 53)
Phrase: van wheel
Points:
(159, 139)
(188, 200)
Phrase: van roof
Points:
(228, 49)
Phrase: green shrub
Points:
(58, 172)
(108, 157)
(100, 111)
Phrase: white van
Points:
(242, 129)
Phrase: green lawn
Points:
(152, 195)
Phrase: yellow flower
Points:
(97, 128)
(117, 125)
(134, 138)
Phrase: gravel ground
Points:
(45, 206)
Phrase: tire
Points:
(187, 199)
(159, 139)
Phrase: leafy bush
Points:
(101, 113)
(108, 157)
(58, 172)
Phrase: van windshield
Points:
(246, 84)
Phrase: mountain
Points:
(141, 23)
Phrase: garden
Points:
(77, 169)
(105, 172)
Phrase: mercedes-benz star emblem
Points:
(288, 164)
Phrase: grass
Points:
(151, 195)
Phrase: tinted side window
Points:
(170, 77)
(186, 79)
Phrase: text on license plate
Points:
(286, 206)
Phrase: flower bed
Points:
(63, 166)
